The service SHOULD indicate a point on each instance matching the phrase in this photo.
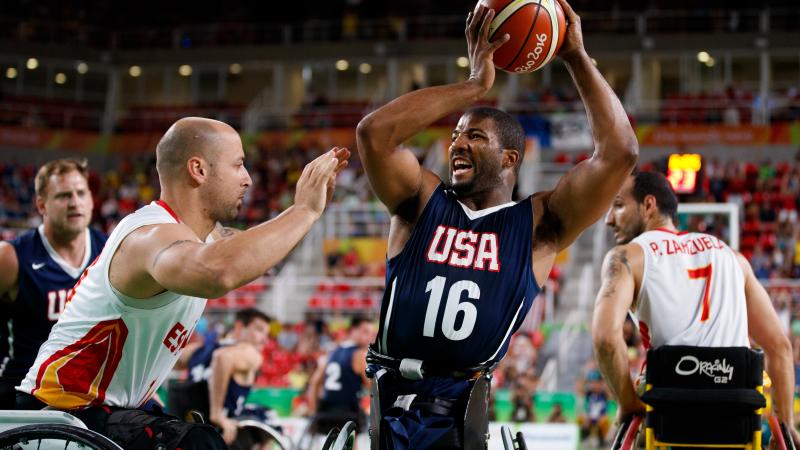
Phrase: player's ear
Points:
(40, 205)
(650, 205)
(510, 158)
(197, 169)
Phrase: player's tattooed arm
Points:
(222, 232)
(615, 266)
(613, 301)
(174, 244)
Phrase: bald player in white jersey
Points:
(685, 289)
(133, 310)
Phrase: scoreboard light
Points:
(682, 172)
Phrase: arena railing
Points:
(342, 220)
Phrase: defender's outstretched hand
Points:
(573, 38)
(478, 46)
(317, 182)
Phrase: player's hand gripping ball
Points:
(536, 28)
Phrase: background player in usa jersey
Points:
(675, 282)
(38, 268)
(464, 261)
(227, 368)
(336, 387)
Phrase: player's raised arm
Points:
(585, 192)
(9, 269)
(394, 172)
(175, 260)
(611, 307)
(765, 328)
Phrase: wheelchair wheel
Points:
(254, 432)
(330, 439)
(346, 437)
(54, 436)
(510, 442)
(780, 434)
(627, 436)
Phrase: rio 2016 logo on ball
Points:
(532, 25)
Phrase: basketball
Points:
(536, 28)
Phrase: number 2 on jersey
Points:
(333, 375)
(700, 273)
(451, 308)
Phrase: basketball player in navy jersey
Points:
(465, 261)
(335, 388)
(229, 367)
(38, 268)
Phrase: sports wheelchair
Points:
(700, 397)
(189, 401)
(471, 431)
(341, 439)
(48, 429)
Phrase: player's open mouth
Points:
(461, 166)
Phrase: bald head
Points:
(188, 137)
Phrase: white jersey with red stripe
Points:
(108, 348)
(692, 291)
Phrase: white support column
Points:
(634, 103)
(763, 85)
(727, 68)
(393, 77)
(112, 98)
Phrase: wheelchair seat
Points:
(704, 396)
(470, 413)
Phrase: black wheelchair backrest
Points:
(705, 367)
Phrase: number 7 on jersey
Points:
(699, 273)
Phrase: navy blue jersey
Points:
(200, 371)
(461, 286)
(342, 386)
(43, 283)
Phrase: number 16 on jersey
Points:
(452, 307)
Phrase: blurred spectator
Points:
(594, 420)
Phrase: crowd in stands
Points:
(133, 182)
(533, 104)
(730, 106)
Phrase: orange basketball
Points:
(536, 28)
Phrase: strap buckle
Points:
(411, 369)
